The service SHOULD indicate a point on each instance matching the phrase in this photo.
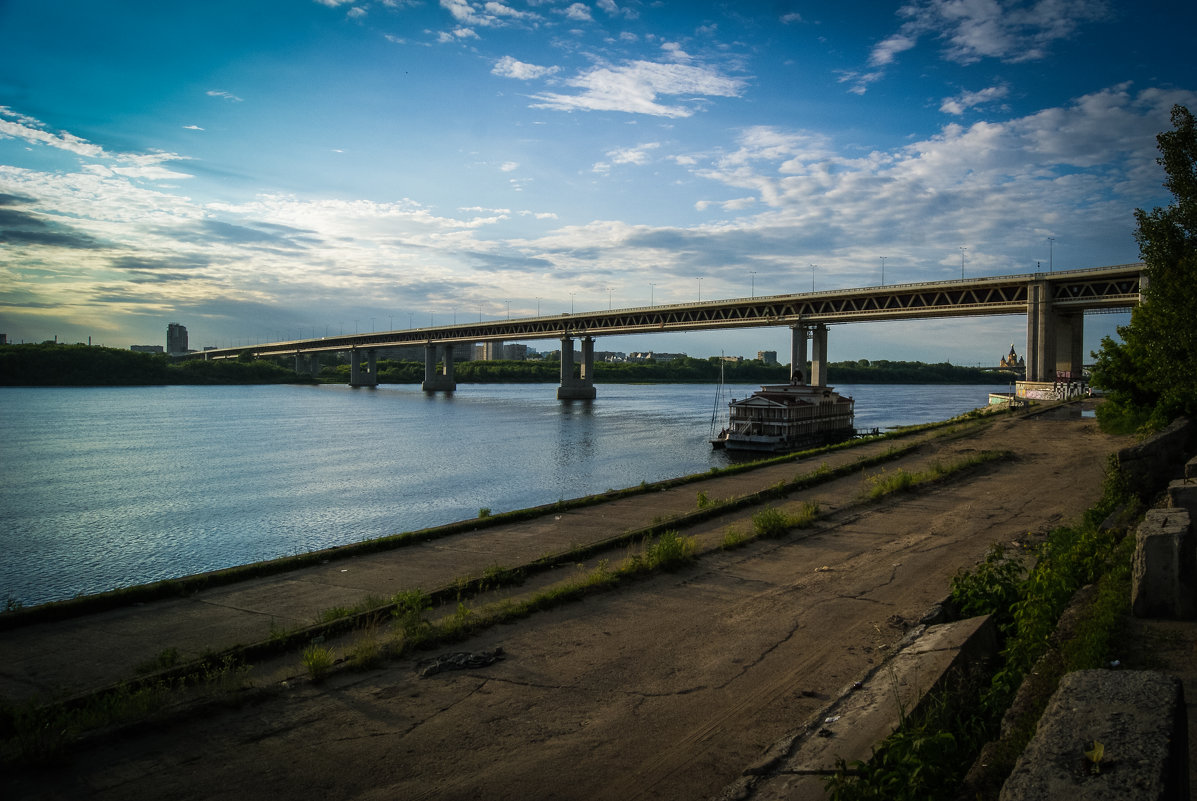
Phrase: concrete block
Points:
(1137, 716)
(1191, 469)
(1182, 494)
(1150, 464)
(853, 726)
(1164, 568)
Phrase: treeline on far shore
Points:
(82, 365)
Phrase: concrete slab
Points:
(1164, 566)
(1182, 494)
(1139, 719)
(869, 711)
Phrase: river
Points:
(105, 487)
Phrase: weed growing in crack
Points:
(318, 660)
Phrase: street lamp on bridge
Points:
(962, 249)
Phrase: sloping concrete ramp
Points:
(866, 713)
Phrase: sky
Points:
(274, 169)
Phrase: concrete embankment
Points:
(67, 653)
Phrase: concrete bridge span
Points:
(1055, 304)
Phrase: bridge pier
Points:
(576, 387)
(818, 355)
(798, 354)
(1055, 340)
(359, 376)
(308, 364)
(442, 381)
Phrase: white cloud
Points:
(485, 15)
(632, 155)
(973, 30)
(885, 52)
(509, 166)
(579, 12)
(675, 51)
(141, 165)
(192, 128)
(457, 34)
(635, 87)
(614, 10)
(966, 100)
(510, 67)
(223, 94)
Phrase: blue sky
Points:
(266, 169)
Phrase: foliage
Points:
(991, 588)
(1150, 377)
(410, 606)
(669, 551)
(82, 365)
(318, 660)
(770, 522)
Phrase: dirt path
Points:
(666, 688)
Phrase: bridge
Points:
(1055, 304)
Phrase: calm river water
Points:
(108, 487)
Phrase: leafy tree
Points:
(1151, 376)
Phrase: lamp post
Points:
(700, 290)
(812, 278)
(537, 306)
(571, 302)
(962, 249)
(610, 294)
(1051, 266)
(752, 284)
(508, 309)
(883, 258)
(652, 294)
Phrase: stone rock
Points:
(1182, 494)
(1149, 465)
(1139, 719)
(1164, 567)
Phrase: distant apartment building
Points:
(146, 348)
(176, 338)
(767, 356)
(3, 339)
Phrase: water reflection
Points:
(105, 487)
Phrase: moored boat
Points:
(786, 417)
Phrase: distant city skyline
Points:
(280, 169)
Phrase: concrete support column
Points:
(818, 356)
(359, 376)
(567, 360)
(1070, 352)
(588, 360)
(798, 353)
(300, 364)
(447, 361)
(576, 387)
(442, 380)
(1041, 336)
